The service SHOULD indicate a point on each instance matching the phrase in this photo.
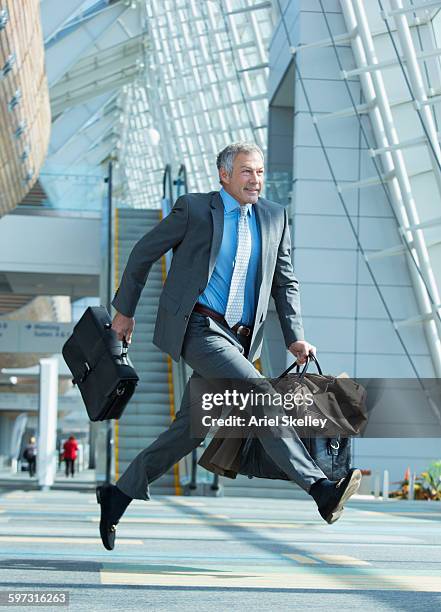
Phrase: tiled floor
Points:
(263, 554)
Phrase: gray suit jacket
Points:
(194, 230)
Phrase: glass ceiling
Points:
(203, 84)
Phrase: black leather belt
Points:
(242, 330)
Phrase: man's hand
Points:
(301, 350)
(123, 326)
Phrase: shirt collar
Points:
(230, 204)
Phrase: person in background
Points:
(30, 454)
(70, 454)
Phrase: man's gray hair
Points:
(226, 157)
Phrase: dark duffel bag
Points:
(341, 399)
(332, 455)
(101, 368)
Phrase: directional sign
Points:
(8, 335)
(33, 336)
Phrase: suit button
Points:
(185, 317)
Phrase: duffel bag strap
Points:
(309, 358)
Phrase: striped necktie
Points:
(236, 296)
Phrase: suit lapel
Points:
(217, 213)
(263, 219)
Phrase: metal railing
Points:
(61, 188)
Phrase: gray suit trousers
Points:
(212, 352)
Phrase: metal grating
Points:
(204, 85)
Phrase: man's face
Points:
(246, 180)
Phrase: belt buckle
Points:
(244, 331)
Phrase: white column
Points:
(415, 77)
(47, 422)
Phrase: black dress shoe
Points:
(331, 496)
(107, 524)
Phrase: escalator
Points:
(151, 409)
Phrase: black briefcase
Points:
(100, 366)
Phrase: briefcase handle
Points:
(309, 358)
(125, 346)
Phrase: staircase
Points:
(150, 410)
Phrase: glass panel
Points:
(196, 97)
(77, 188)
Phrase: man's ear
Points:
(224, 176)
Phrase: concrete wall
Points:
(343, 313)
(55, 244)
(52, 254)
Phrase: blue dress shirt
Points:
(216, 293)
